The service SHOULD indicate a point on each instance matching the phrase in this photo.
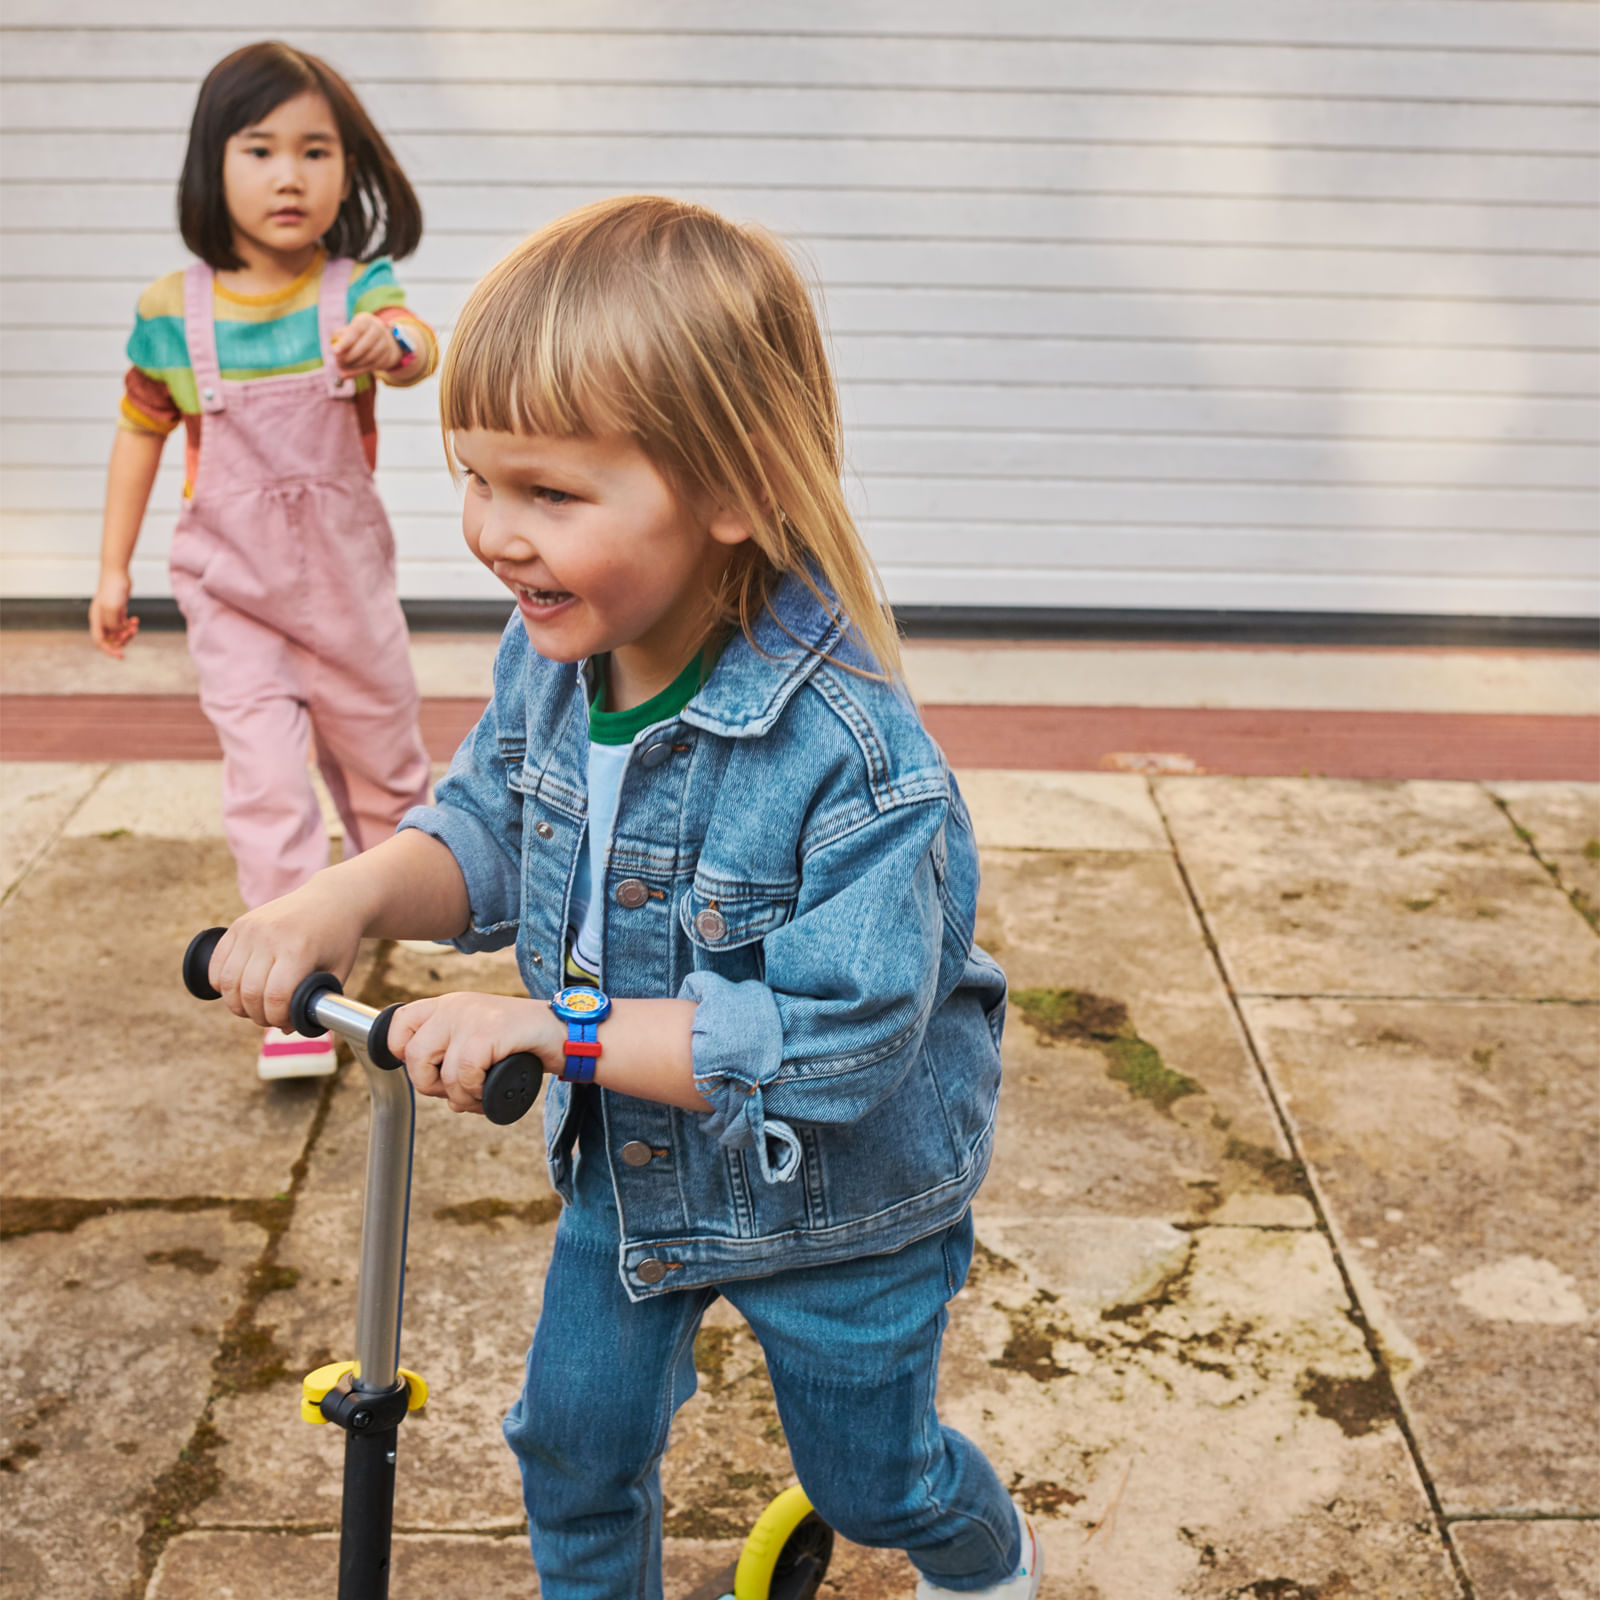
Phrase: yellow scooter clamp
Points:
(316, 1384)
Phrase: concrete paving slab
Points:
(1560, 816)
(62, 661)
(173, 800)
(1092, 1263)
(235, 1565)
(154, 800)
(36, 800)
(1531, 1560)
(1563, 821)
(116, 1082)
(1226, 1435)
(231, 1565)
(108, 1332)
(990, 673)
(1579, 872)
(1455, 1150)
(1412, 888)
(1128, 1089)
(1061, 810)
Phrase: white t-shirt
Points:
(607, 763)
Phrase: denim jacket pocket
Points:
(541, 785)
(725, 923)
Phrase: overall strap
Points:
(200, 330)
(332, 315)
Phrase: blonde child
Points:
(701, 791)
(265, 349)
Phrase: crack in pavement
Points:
(1358, 1312)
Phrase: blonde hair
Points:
(661, 322)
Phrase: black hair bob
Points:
(380, 215)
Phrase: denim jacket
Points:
(791, 853)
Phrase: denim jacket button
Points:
(637, 1153)
(710, 925)
(631, 894)
(544, 830)
(650, 1270)
(654, 754)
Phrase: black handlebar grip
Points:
(378, 1041)
(197, 964)
(301, 1017)
(511, 1087)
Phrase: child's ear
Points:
(730, 526)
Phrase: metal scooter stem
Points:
(380, 1286)
(366, 1518)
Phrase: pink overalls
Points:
(283, 566)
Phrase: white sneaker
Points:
(1023, 1584)
(292, 1055)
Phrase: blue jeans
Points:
(853, 1353)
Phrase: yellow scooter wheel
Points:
(787, 1553)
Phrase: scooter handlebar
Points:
(509, 1089)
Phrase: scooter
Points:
(787, 1553)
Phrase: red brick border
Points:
(1335, 744)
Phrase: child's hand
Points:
(365, 344)
(110, 626)
(449, 1043)
(260, 961)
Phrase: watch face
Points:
(581, 1004)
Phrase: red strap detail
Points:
(583, 1047)
(298, 1047)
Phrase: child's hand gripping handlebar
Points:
(511, 1087)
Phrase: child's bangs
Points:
(534, 363)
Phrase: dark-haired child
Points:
(266, 349)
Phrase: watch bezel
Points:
(597, 1013)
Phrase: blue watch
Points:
(583, 1009)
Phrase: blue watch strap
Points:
(579, 1067)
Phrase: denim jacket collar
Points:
(746, 695)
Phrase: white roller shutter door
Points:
(1259, 305)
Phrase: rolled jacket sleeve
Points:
(737, 1041)
(850, 983)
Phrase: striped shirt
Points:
(258, 336)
